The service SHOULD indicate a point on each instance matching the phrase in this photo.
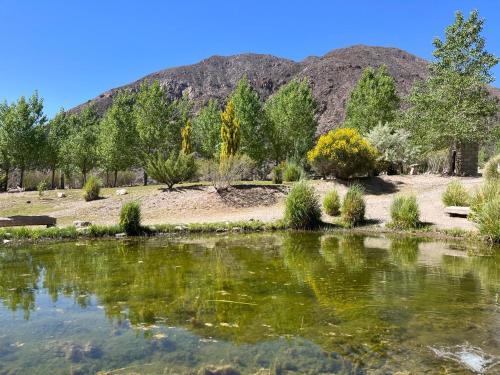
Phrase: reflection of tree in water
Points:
(404, 252)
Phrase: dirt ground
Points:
(200, 203)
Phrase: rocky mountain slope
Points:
(332, 77)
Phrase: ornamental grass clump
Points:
(277, 174)
(130, 218)
(331, 203)
(91, 189)
(488, 219)
(353, 206)
(405, 213)
(292, 172)
(455, 194)
(302, 210)
(492, 169)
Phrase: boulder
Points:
(120, 235)
(121, 192)
(81, 224)
(61, 195)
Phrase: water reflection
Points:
(374, 303)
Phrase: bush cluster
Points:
(91, 189)
(492, 169)
(302, 210)
(225, 172)
(405, 213)
(292, 172)
(277, 174)
(455, 194)
(485, 210)
(353, 206)
(174, 170)
(130, 218)
(331, 203)
(343, 153)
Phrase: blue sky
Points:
(72, 51)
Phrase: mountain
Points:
(332, 77)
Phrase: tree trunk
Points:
(21, 178)
(53, 181)
(467, 159)
(84, 172)
(116, 178)
(107, 177)
(6, 182)
(62, 180)
(145, 178)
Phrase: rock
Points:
(6, 241)
(180, 228)
(73, 352)
(81, 224)
(61, 195)
(121, 192)
(92, 351)
(218, 370)
(120, 235)
(237, 229)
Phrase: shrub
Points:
(174, 170)
(343, 153)
(42, 188)
(292, 172)
(302, 209)
(488, 219)
(455, 194)
(353, 206)
(228, 170)
(405, 213)
(277, 174)
(487, 193)
(435, 161)
(492, 169)
(331, 203)
(91, 189)
(130, 218)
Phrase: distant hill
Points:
(332, 77)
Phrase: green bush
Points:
(487, 193)
(331, 203)
(292, 172)
(174, 170)
(405, 213)
(42, 188)
(455, 194)
(492, 169)
(353, 206)
(302, 210)
(91, 189)
(227, 171)
(488, 219)
(130, 218)
(277, 174)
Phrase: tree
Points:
(177, 168)
(56, 133)
(118, 136)
(23, 122)
(186, 133)
(452, 108)
(249, 112)
(206, 130)
(229, 132)
(153, 115)
(5, 159)
(373, 100)
(291, 116)
(81, 146)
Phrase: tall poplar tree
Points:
(56, 133)
(229, 132)
(206, 130)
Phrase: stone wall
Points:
(466, 160)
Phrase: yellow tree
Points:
(229, 132)
(186, 131)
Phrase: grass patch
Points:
(456, 194)
(405, 213)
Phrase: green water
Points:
(284, 303)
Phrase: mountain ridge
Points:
(332, 77)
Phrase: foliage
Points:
(186, 132)
(435, 161)
(81, 146)
(373, 100)
(302, 210)
(118, 136)
(453, 106)
(292, 172)
(42, 188)
(405, 213)
(56, 134)
(488, 192)
(249, 112)
(224, 173)
(277, 173)
(456, 194)
(343, 153)
(331, 203)
(488, 219)
(492, 169)
(394, 147)
(353, 206)
(291, 120)
(207, 130)
(229, 132)
(130, 218)
(91, 189)
(177, 168)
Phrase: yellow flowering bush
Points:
(342, 153)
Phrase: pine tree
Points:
(230, 132)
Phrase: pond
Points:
(279, 303)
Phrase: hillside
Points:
(332, 77)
